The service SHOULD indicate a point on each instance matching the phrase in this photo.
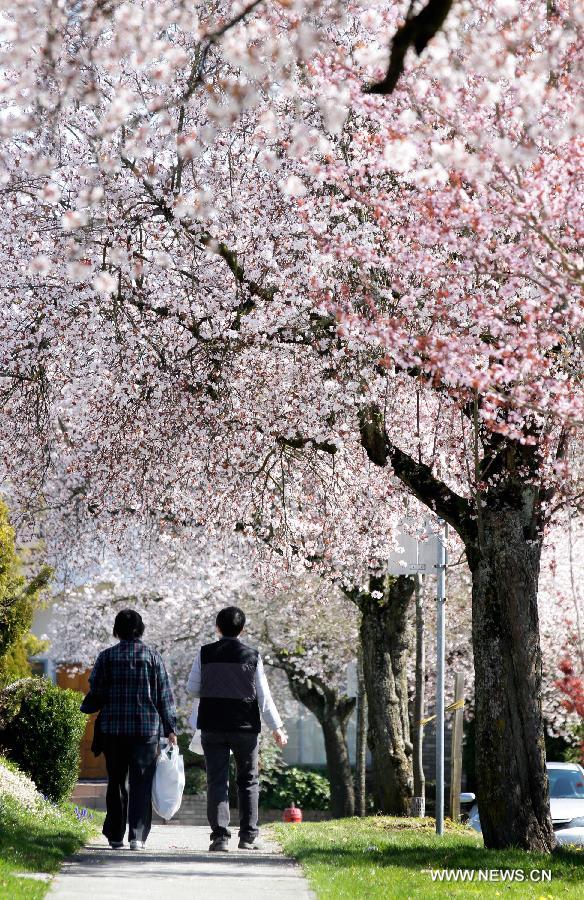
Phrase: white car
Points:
(566, 803)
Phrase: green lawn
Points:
(33, 843)
(381, 857)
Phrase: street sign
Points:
(415, 552)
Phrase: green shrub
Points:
(195, 775)
(41, 729)
(18, 600)
(573, 752)
(16, 786)
(195, 780)
(15, 662)
(308, 790)
(280, 786)
(190, 758)
(271, 764)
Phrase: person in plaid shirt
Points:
(130, 684)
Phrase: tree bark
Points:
(502, 527)
(419, 700)
(334, 729)
(361, 748)
(386, 643)
(333, 713)
(512, 784)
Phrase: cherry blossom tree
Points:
(309, 630)
(460, 327)
(179, 582)
(571, 684)
(562, 639)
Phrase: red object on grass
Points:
(292, 814)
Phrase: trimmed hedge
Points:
(41, 728)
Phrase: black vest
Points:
(228, 693)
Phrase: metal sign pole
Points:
(440, 663)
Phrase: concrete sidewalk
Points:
(175, 865)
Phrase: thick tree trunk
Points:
(361, 748)
(510, 754)
(418, 729)
(386, 643)
(333, 713)
(502, 526)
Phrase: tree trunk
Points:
(385, 641)
(334, 729)
(361, 748)
(333, 713)
(512, 784)
(419, 700)
(502, 525)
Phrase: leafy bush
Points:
(18, 600)
(195, 780)
(17, 786)
(280, 786)
(308, 790)
(271, 764)
(573, 752)
(195, 775)
(19, 797)
(41, 729)
(190, 758)
(15, 662)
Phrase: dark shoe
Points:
(116, 845)
(219, 845)
(246, 845)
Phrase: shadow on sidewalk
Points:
(103, 862)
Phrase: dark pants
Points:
(131, 759)
(216, 747)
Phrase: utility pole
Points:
(419, 781)
(441, 559)
(361, 749)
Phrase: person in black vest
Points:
(228, 677)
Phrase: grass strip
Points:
(37, 842)
(384, 857)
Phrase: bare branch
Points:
(418, 477)
(416, 32)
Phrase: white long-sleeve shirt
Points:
(268, 710)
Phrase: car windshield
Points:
(566, 784)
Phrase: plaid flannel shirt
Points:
(132, 683)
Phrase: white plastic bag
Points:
(169, 782)
(195, 745)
